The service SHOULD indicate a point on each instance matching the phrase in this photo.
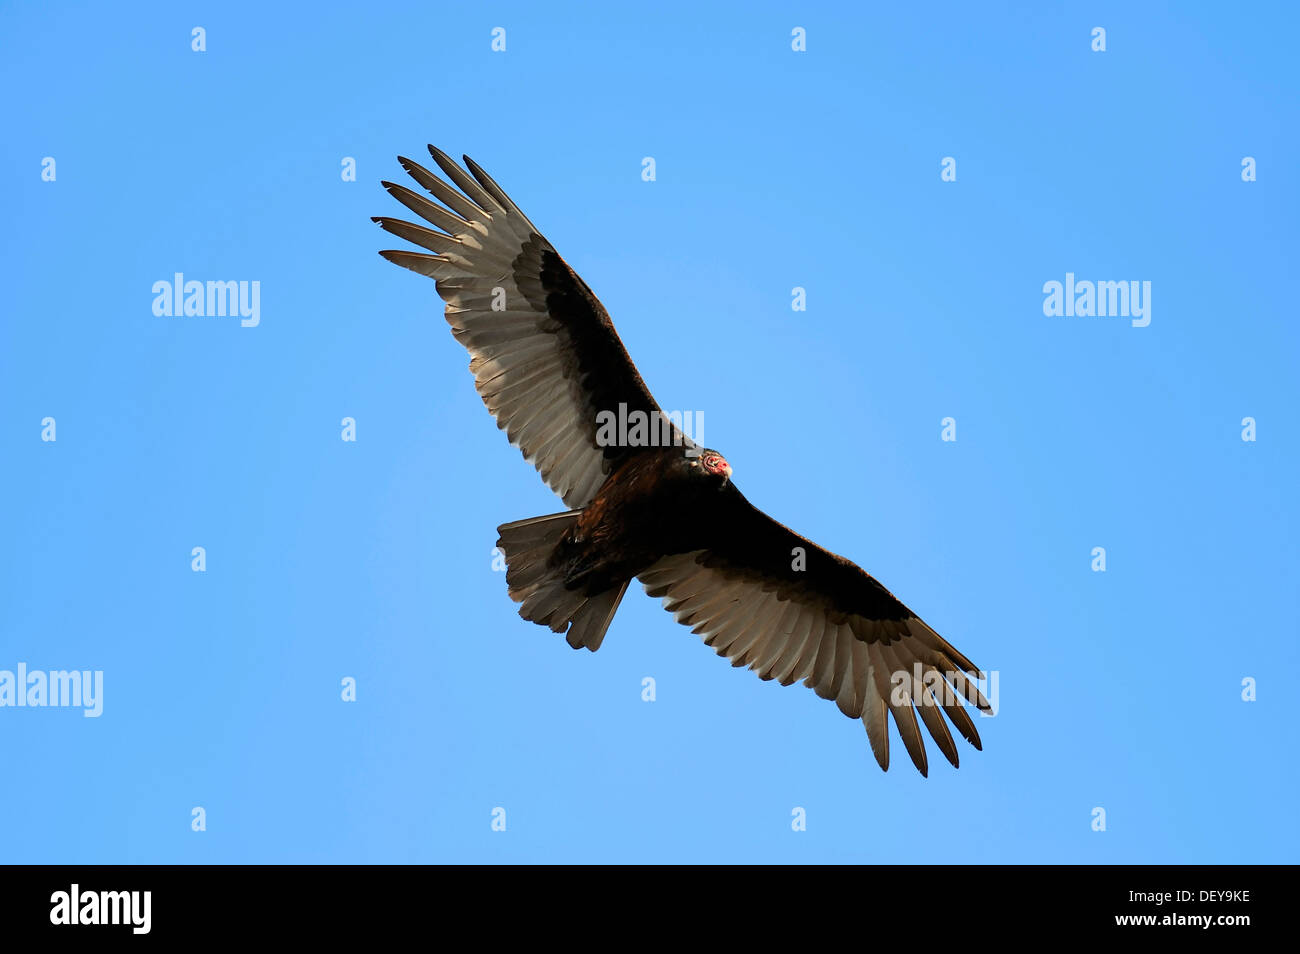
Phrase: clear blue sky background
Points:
(776, 169)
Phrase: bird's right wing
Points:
(545, 356)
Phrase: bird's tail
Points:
(539, 581)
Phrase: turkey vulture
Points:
(547, 362)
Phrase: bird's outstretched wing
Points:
(545, 357)
(769, 599)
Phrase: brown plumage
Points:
(547, 361)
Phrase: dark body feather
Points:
(547, 361)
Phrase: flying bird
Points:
(547, 362)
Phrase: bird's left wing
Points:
(545, 356)
(769, 599)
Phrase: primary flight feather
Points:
(547, 362)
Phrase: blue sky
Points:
(775, 169)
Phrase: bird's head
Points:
(710, 465)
